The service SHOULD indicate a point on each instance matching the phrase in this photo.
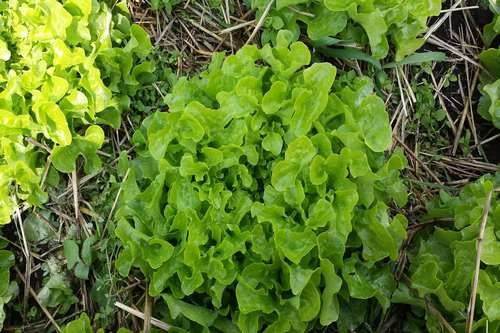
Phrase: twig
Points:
(206, 15)
(443, 18)
(27, 255)
(439, 316)
(439, 42)
(409, 91)
(76, 204)
(155, 322)
(205, 30)
(404, 114)
(298, 11)
(236, 27)
(437, 88)
(164, 31)
(260, 22)
(494, 137)
(464, 114)
(472, 302)
(433, 175)
(82, 181)
(39, 145)
(147, 311)
(74, 187)
(458, 9)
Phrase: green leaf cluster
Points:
(489, 103)
(82, 325)
(443, 266)
(67, 67)
(56, 291)
(78, 259)
(7, 288)
(165, 4)
(259, 202)
(377, 23)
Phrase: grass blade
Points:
(418, 58)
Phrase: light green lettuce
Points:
(67, 68)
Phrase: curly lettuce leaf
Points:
(444, 264)
(76, 66)
(375, 23)
(249, 192)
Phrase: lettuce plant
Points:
(376, 23)
(489, 103)
(443, 266)
(67, 68)
(259, 202)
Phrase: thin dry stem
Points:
(147, 312)
(439, 42)
(237, 27)
(408, 150)
(260, 22)
(458, 9)
(475, 282)
(437, 89)
(35, 297)
(74, 186)
(439, 316)
(27, 256)
(155, 322)
(464, 114)
(441, 20)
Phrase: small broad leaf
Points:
(80, 325)
(82, 270)
(64, 157)
(71, 252)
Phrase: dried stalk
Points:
(475, 282)
(155, 322)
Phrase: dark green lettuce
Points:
(489, 103)
(8, 288)
(364, 22)
(442, 267)
(259, 202)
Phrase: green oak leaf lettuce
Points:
(245, 198)
(68, 67)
